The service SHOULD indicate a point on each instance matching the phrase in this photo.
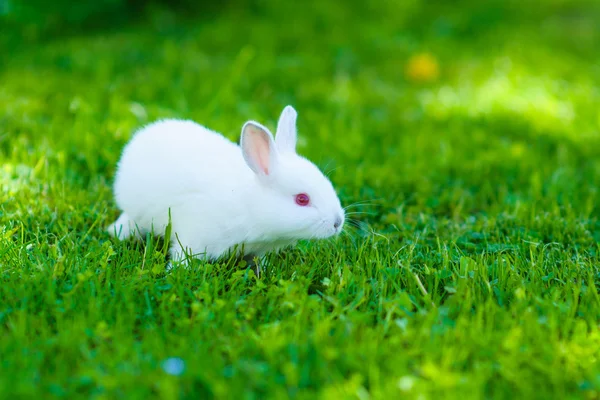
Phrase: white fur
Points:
(221, 196)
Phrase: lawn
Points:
(470, 267)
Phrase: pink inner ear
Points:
(259, 148)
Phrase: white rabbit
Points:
(253, 198)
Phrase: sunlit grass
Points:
(538, 101)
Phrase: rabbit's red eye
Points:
(302, 199)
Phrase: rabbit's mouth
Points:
(327, 228)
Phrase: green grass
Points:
(476, 268)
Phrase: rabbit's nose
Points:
(338, 222)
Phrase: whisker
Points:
(361, 213)
(359, 228)
(359, 203)
(352, 242)
(328, 173)
(365, 203)
(355, 223)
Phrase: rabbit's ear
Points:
(258, 148)
(286, 130)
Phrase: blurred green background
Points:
(464, 135)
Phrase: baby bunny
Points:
(253, 198)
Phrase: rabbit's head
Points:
(295, 200)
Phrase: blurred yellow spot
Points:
(517, 149)
(422, 67)
(102, 330)
(520, 293)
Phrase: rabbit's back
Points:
(172, 163)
